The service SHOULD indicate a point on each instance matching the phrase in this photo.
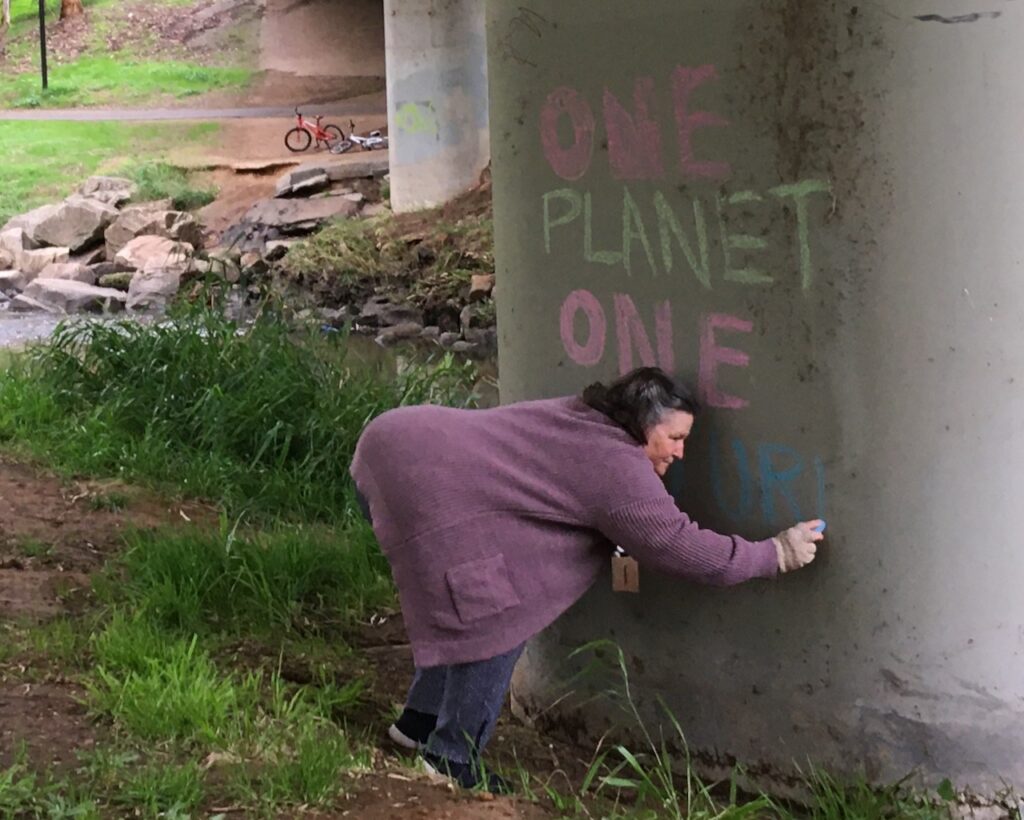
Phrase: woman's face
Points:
(666, 440)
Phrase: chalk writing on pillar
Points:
(671, 212)
(417, 118)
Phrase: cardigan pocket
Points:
(481, 588)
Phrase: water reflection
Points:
(388, 361)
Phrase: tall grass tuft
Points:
(261, 418)
(160, 180)
(297, 579)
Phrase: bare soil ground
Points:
(55, 533)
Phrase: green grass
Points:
(34, 548)
(26, 12)
(44, 161)
(261, 418)
(181, 654)
(298, 580)
(653, 777)
(362, 253)
(159, 180)
(169, 691)
(113, 81)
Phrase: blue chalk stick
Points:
(820, 527)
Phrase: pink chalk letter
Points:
(685, 81)
(631, 333)
(590, 353)
(568, 162)
(712, 356)
(634, 142)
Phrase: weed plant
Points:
(656, 778)
(262, 418)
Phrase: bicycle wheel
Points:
(341, 146)
(298, 139)
(334, 134)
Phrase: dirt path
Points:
(367, 105)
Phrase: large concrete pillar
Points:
(813, 209)
(437, 99)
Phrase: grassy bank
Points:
(217, 661)
(179, 652)
(44, 161)
(261, 419)
(96, 81)
(115, 55)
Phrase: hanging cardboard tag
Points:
(625, 574)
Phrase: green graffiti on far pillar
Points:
(417, 118)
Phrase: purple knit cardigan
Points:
(496, 521)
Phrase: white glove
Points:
(797, 546)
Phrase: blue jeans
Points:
(466, 697)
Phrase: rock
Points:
(302, 181)
(142, 250)
(88, 258)
(277, 249)
(143, 221)
(431, 332)
(336, 317)
(246, 236)
(76, 223)
(464, 347)
(153, 288)
(6, 259)
(299, 215)
(355, 197)
(26, 304)
(29, 222)
(486, 339)
(375, 209)
(380, 312)
(253, 264)
(110, 190)
(480, 286)
(399, 333)
(448, 340)
(73, 271)
(374, 165)
(118, 281)
(68, 296)
(31, 263)
(104, 268)
(229, 253)
(12, 281)
(224, 267)
(14, 240)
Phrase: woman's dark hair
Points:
(638, 400)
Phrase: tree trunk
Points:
(5, 14)
(71, 8)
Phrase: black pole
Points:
(42, 39)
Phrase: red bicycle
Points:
(302, 135)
